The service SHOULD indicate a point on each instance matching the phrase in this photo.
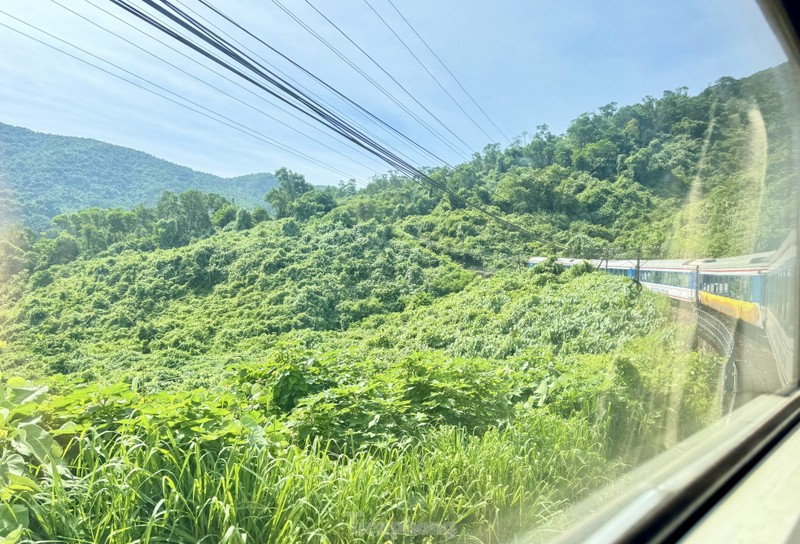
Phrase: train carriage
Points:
(673, 278)
(732, 286)
(779, 303)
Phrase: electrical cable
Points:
(262, 112)
(377, 85)
(419, 61)
(211, 114)
(292, 80)
(372, 59)
(448, 71)
(298, 100)
(338, 93)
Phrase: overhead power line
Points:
(424, 67)
(208, 113)
(222, 91)
(448, 70)
(332, 89)
(453, 146)
(292, 96)
(278, 70)
(382, 69)
(265, 79)
(275, 85)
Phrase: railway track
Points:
(750, 367)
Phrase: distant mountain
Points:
(44, 175)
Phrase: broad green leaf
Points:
(11, 464)
(34, 441)
(13, 517)
(13, 536)
(25, 394)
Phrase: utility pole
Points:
(637, 284)
(603, 257)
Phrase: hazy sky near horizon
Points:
(526, 62)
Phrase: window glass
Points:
(389, 271)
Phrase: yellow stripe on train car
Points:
(748, 312)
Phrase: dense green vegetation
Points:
(44, 175)
(342, 368)
(480, 427)
(680, 176)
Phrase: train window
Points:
(262, 266)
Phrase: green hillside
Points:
(361, 365)
(709, 175)
(44, 175)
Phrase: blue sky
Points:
(526, 62)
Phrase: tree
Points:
(311, 204)
(224, 216)
(347, 188)
(65, 249)
(12, 259)
(598, 158)
(195, 208)
(169, 233)
(259, 215)
(291, 186)
(244, 220)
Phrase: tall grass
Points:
(448, 485)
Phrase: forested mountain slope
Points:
(44, 175)
(338, 348)
(679, 176)
(196, 274)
